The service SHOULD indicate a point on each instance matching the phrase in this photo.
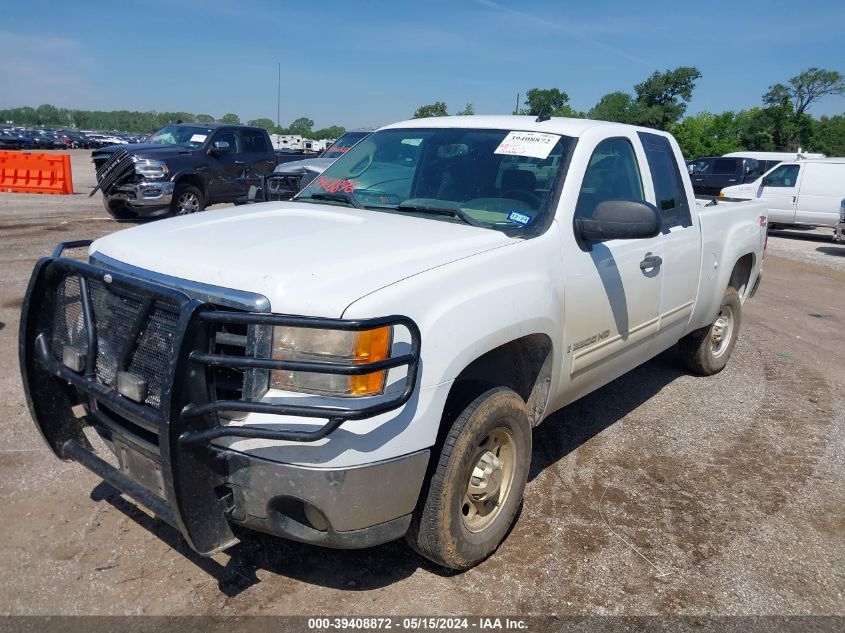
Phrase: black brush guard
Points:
(193, 496)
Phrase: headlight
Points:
(151, 169)
(335, 346)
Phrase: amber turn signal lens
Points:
(370, 346)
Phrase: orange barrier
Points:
(27, 172)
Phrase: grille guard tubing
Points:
(205, 315)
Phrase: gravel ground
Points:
(813, 246)
(661, 493)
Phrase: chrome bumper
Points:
(352, 507)
(147, 193)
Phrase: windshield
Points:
(496, 179)
(184, 135)
(343, 144)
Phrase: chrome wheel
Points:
(187, 203)
(721, 331)
(489, 480)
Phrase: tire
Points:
(119, 210)
(447, 526)
(187, 199)
(706, 351)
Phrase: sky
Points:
(372, 63)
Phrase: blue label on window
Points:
(519, 218)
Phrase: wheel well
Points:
(524, 365)
(196, 181)
(741, 274)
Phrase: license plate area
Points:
(140, 468)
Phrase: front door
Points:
(226, 167)
(612, 289)
(779, 190)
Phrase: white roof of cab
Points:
(555, 125)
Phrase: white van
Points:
(775, 156)
(799, 192)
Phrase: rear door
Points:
(779, 190)
(699, 170)
(257, 153)
(820, 194)
(612, 295)
(681, 239)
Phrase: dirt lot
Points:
(662, 493)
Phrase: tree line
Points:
(780, 123)
(145, 122)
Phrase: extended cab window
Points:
(783, 176)
(725, 166)
(254, 142)
(612, 174)
(668, 187)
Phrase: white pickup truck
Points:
(367, 361)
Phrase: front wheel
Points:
(477, 486)
(706, 351)
(187, 199)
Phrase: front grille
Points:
(134, 334)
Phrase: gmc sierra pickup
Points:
(367, 361)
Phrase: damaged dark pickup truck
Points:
(181, 169)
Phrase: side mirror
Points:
(219, 147)
(766, 182)
(619, 220)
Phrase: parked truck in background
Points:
(181, 169)
(367, 361)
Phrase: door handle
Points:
(650, 261)
(240, 162)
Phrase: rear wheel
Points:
(477, 486)
(187, 199)
(706, 351)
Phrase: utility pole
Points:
(279, 97)
(516, 109)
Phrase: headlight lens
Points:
(336, 346)
(151, 169)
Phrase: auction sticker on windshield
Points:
(533, 144)
(198, 138)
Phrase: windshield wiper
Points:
(455, 213)
(348, 198)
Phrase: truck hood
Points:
(145, 150)
(317, 165)
(305, 258)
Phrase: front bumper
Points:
(74, 349)
(146, 198)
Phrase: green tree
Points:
(468, 110)
(806, 88)
(552, 101)
(302, 126)
(267, 124)
(829, 135)
(438, 108)
(333, 132)
(663, 97)
(707, 134)
(204, 118)
(619, 107)
(230, 118)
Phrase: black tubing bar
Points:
(242, 362)
(254, 318)
(203, 437)
(72, 450)
(61, 247)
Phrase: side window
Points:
(253, 142)
(612, 174)
(754, 169)
(668, 187)
(229, 137)
(700, 167)
(783, 176)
